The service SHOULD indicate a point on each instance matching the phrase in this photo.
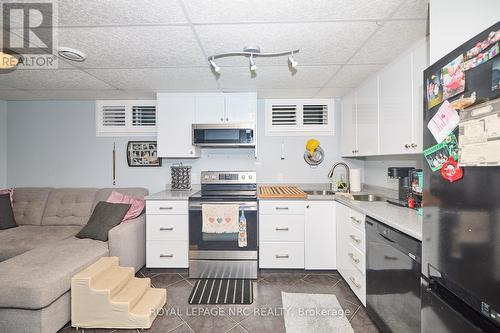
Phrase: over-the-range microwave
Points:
(228, 135)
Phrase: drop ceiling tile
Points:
(390, 41)
(319, 43)
(90, 94)
(119, 12)
(275, 77)
(352, 75)
(159, 79)
(52, 79)
(133, 47)
(412, 9)
(288, 93)
(15, 95)
(332, 92)
(286, 10)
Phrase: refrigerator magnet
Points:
(453, 77)
(434, 90)
(481, 58)
(451, 171)
(439, 154)
(443, 122)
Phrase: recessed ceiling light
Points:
(8, 61)
(71, 54)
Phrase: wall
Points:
(54, 144)
(453, 22)
(3, 144)
(376, 168)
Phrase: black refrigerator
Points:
(461, 219)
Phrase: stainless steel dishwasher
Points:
(392, 278)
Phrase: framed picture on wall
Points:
(143, 154)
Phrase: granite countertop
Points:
(169, 194)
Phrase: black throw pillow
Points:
(105, 216)
(7, 219)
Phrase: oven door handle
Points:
(246, 206)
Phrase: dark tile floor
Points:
(260, 317)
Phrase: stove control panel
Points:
(228, 177)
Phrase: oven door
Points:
(200, 241)
(223, 135)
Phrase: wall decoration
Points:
(495, 75)
(434, 90)
(143, 154)
(443, 122)
(453, 78)
(481, 58)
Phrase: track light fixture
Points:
(214, 66)
(252, 52)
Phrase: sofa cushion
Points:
(7, 219)
(105, 216)
(69, 206)
(26, 237)
(35, 279)
(29, 204)
(104, 193)
(136, 205)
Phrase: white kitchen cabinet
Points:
(420, 59)
(349, 144)
(209, 108)
(167, 234)
(367, 118)
(175, 116)
(320, 235)
(240, 107)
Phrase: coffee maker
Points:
(404, 189)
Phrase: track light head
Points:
(214, 66)
(291, 60)
(251, 62)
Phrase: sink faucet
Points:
(332, 170)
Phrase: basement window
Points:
(125, 118)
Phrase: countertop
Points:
(169, 194)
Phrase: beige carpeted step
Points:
(105, 295)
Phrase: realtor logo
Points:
(29, 31)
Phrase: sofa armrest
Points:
(127, 241)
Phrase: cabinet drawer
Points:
(357, 219)
(357, 238)
(357, 282)
(167, 227)
(282, 207)
(356, 258)
(281, 255)
(160, 207)
(288, 228)
(167, 254)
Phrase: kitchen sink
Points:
(320, 192)
(367, 197)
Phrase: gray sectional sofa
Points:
(39, 257)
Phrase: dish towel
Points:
(220, 219)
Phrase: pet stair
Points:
(105, 295)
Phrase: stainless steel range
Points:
(220, 255)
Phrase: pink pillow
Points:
(10, 191)
(136, 208)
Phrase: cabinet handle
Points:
(166, 208)
(354, 238)
(166, 255)
(282, 256)
(390, 258)
(355, 220)
(167, 229)
(281, 229)
(281, 208)
(407, 146)
(191, 152)
(353, 258)
(227, 119)
(414, 145)
(221, 119)
(353, 280)
(307, 206)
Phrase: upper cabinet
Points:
(177, 112)
(387, 109)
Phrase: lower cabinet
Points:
(297, 234)
(351, 252)
(167, 232)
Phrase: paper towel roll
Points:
(355, 180)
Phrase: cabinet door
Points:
(209, 108)
(176, 114)
(348, 121)
(420, 63)
(240, 107)
(367, 117)
(395, 119)
(320, 235)
(342, 226)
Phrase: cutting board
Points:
(281, 192)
